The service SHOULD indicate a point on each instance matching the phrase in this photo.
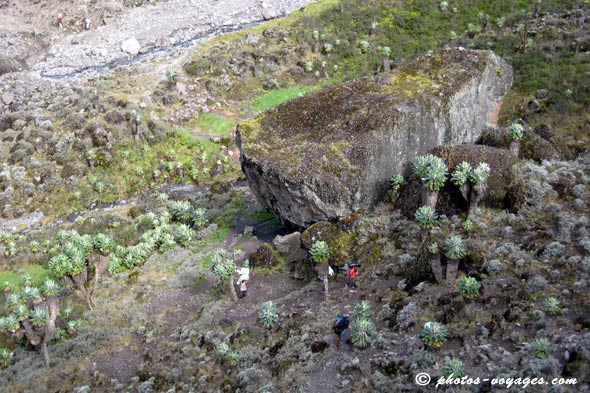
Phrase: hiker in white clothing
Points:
(243, 278)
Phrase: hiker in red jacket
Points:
(352, 272)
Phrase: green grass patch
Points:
(279, 96)
(16, 280)
(215, 124)
(199, 280)
(265, 218)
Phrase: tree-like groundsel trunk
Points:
(436, 267)
(452, 268)
(431, 199)
(232, 289)
(477, 192)
(80, 281)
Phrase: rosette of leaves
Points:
(66, 235)
(162, 197)
(183, 234)
(60, 265)
(199, 217)
(469, 287)
(362, 310)
(434, 334)
(38, 316)
(34, 246)
(453, 368)
(422, 163)
(21, 312)
(461, 173)
(551, 305)
(224, 352)
(480, 173)
(385, 52)
(541, 347)
(454, 247)
(164, 218)
(467, 225)
(396, 180)
(13, 299)
(224, 269)
(30, 294)
(515, 131)
(170, 154)
(104, 243)
(364, 46)
(166, 241)
(149, 240)
(9, 323)
(362, 332)
(10, 248)
(268, 316)
(135, 256)
(90, 154)
(319, 251)
(73, 326)
(426, 217)
(49, 287)
(433, 248)
(6, 236)
(147, 221)
(115, 265)
(181, 211)
(436, 175)
(6, 358)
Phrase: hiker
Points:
(243, 288)
(60, 21)
(351, 274)
(243, 278)
(340, 325)
(86, 23)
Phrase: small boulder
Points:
(131, 46)
(263, 257)
(290, 245)
(8, 65)
(7, 98)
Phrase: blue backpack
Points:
(340, 324)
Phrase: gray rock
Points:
(306, 162)
(251, 375)
(290, 245)
(271, 13)
(131, 46)
(7, 98)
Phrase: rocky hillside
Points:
(126, 215)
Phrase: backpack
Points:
(352, 273)
(340, 324)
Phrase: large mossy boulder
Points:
(332, 152)
(501, 181)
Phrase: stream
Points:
(201, 37)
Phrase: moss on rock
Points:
(332, 152)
